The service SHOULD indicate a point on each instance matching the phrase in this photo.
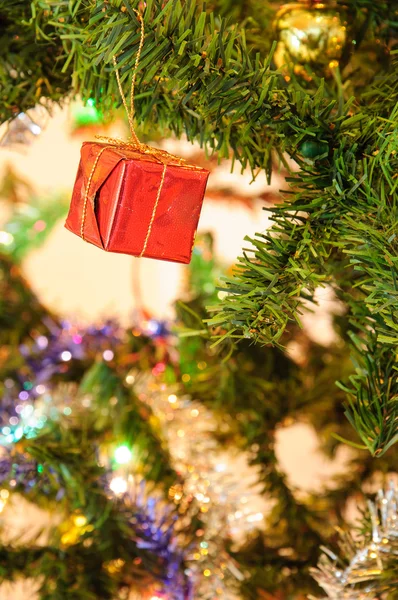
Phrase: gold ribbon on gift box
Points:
(133, 144)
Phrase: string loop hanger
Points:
(131, 112)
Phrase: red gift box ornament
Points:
(134, 199)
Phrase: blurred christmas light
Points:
(159, 368)
(40, 225)
(42, 342)
(108, 355)
(115, 566)
(155, 328)
(122, 454)
(4, 495)
(73, 528)
(118, 485)
(6, 238)
(80, 520)
(86, 115)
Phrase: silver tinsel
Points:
(24, 128)
(368, 569)
(226, 497)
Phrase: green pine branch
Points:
(339, 227)
(200, 73)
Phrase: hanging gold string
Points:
(130, 116)
(130, 113)
(133, 143)
(87, 193)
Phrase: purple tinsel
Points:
(156, 329)
(23, 473)
(46, 359)
(154, 528)
(152, 524)
(63, 353)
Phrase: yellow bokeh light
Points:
(80, 520)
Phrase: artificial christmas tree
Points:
(119, 434)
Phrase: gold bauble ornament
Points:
(311, 35)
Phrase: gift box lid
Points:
(110, 156)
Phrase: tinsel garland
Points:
(227, 504)
(47, 359)
(152, 521)
(154, 524)
(62, 354)
(211, 493)
(368, 568)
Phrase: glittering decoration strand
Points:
(210, 480)
(130, 113)
(366, 561)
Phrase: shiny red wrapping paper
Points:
(121, 199)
